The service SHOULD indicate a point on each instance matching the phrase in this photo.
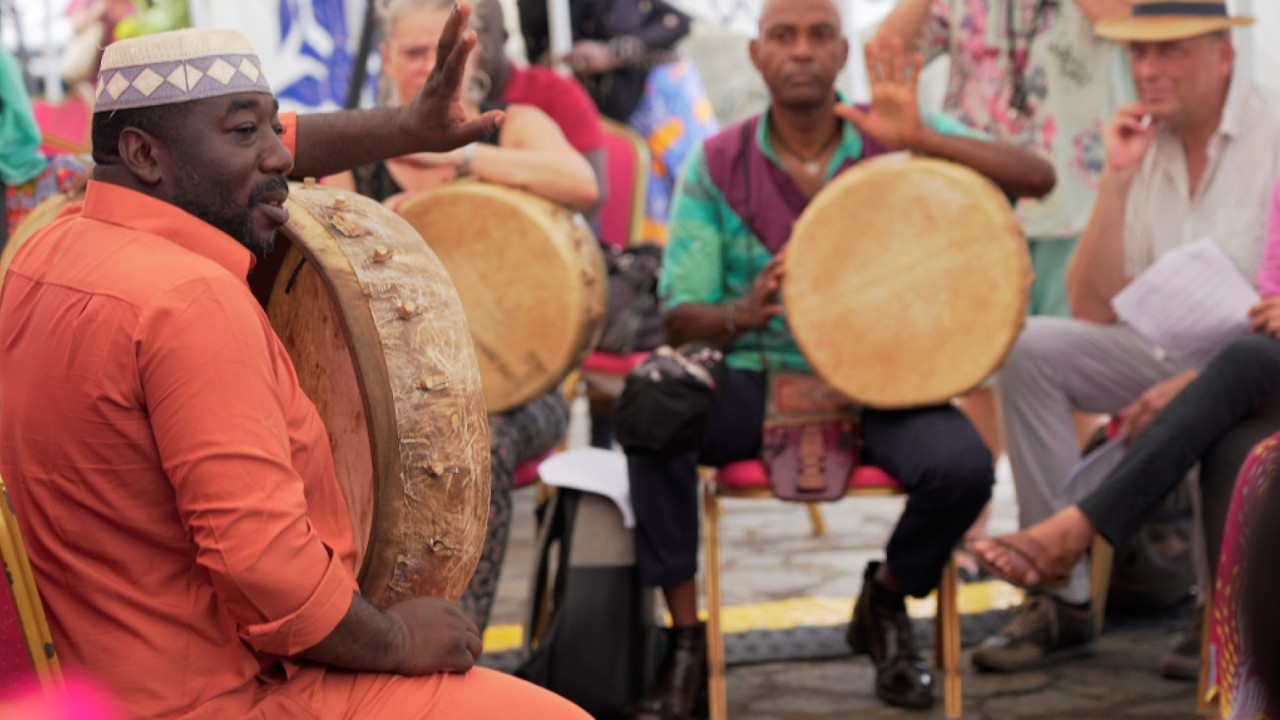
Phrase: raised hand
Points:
(1127, 138)
(436, 115)
(436, 637)
(894, 119)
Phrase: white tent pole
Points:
(560, 33)
(198, 13)
(855, 71)
(52, 68)
(1247, 39)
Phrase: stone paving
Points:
(770, 553)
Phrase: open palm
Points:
(437, 114)
(894, 119)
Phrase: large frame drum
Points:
(906, 281)
(532, 280)
(380, 344)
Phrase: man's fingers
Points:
(852, 114)
(917, 65)
(451, 74)
(895, 68)
(476, 129)
(872, 57)
(454, 29)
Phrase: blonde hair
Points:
(390, 12)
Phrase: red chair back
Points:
(64, 126)
(627, 175)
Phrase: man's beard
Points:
(221, 212)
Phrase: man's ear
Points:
(753, 48)
(141, 152)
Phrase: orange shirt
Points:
(174, 485)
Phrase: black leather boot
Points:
(880, 628)
(681, 690)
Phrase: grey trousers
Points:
(1059, 366)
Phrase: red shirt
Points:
(563, 99)
(174, 485)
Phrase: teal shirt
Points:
(20, 158)
(713, 257)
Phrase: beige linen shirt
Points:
(1232, 204)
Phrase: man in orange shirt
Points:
(176, 487)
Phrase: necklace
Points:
(811, 165)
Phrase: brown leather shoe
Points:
(681, 690)
(902, 676)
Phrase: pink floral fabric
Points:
(1072, 81)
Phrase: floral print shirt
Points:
(1071, 80)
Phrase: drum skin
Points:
(379, 341)
(906, 281)
(531, 277)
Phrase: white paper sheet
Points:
(593, 470)
(1089, 473)
(1191, 303)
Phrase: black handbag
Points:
(633, 321)
(667, 398)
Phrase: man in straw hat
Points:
(176, 488)
(1196, 156)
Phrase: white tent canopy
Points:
(42, 24)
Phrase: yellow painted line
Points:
(974, 598)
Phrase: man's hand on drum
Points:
(757, 309)
(1127, 138)
(436, 115)
(894, 118)
(435, 636)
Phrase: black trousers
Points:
(934, 452)
(1214, 421)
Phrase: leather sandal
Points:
(1030, 557)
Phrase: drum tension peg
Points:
(382, 253)
(440, 469)
(308, 183)
(407, 309)
(427, 383)
(339, 202)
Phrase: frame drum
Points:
(531, 277)
(906, 281)
(379, 342)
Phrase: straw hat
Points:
(1158, 20)
(176, 67)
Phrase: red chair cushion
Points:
(610, 364)
(15, 666)
(750, 475)
(526, 473)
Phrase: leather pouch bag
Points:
(810, 441)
